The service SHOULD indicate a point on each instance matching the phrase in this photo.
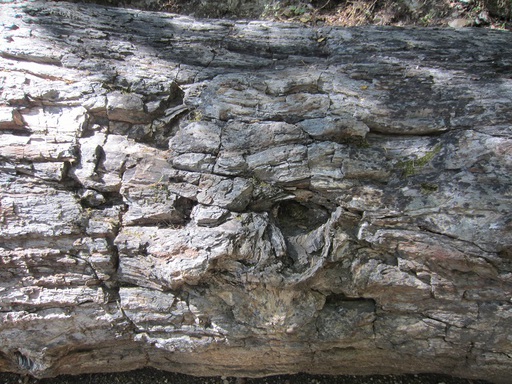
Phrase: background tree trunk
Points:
(252, 198)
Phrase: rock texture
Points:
(250, 198)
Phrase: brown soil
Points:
(153, 376)
(425, 13)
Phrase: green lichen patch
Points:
(410, 167)
(428, 188)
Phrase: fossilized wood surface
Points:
(248, 198)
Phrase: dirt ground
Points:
(153, 376)
(425, 13)
(491, 13)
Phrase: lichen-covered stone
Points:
(244, 198)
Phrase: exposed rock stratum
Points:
(252, 198)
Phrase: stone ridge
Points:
(252, 198)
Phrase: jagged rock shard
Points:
(244, 198)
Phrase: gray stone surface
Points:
(252, 198)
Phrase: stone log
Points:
(247, 198)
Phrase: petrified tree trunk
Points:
(250, 198)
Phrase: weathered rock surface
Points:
(249, 198)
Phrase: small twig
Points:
(325, 5)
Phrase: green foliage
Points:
(295, 10)
(292, 11)
(427, 19)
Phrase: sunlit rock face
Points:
(251, 198)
